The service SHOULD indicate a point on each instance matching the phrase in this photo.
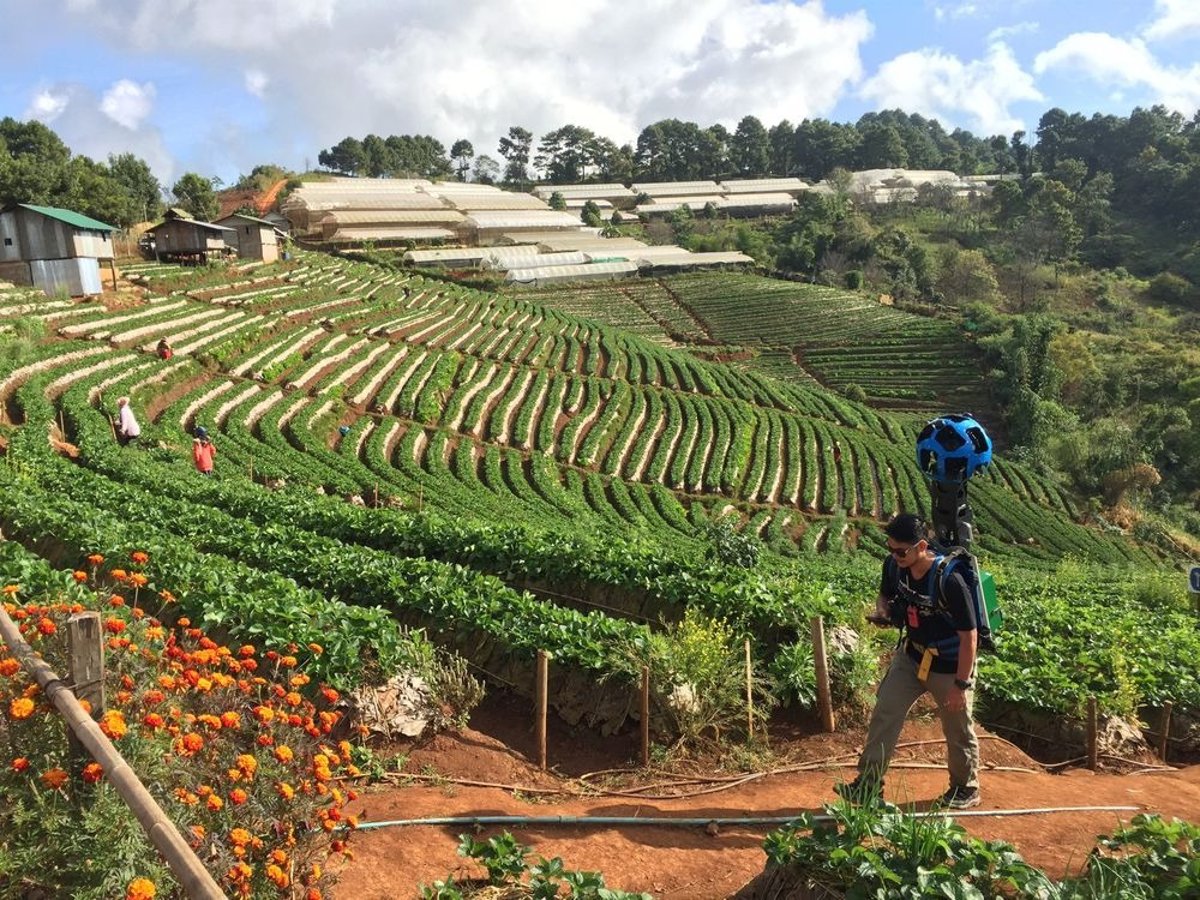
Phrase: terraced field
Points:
(392, 441)
(903, 362)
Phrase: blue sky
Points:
(218, 86)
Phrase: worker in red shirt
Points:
(203, 451)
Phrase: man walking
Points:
(936, 654)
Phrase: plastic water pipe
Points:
(681, 822)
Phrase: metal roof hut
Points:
(54, 249)
(251, 237)
(188, 240)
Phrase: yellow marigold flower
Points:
(284, 753)
(285, 790)
(278, 876)
(113, 724)
(239, 837)
(11, 590)
(214, 803)
(140, 889)
(248, 763)
(21, 708)
(54, 778)
(230, 719)
(204, 685)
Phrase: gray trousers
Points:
(897, 693)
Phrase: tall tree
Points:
(140, 186)
(783, 148)
(565, 154)
(462, 152)
(345, 157)
(195, 193)
(515, 147)
(486, 170)
(750, 148)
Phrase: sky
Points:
(219, 86)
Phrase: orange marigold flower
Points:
(293, 698)
(204, 685)
(237, 796)
(184, 622)
(247, 763)
(116, 600)
(316, 649)
(153, 721)
(140, 889)
(9, 667)
(21, 708)
(231, 719)
(298, 681)
(285, 790)
(279, 857)
(284, 753)
(277, 876)
(11, 590)
(288, 661)
(330, 695)
(191, 743)
(114, 626)
(239, 872)
(20, 764)
(54, 778)
(249, 665)
(265, 740)
(240, 837)
(47, 626)
(210, 720)
(153, 697)
(264, 714)
(95, 559)
(112, 723)
(119, 574)
(93, 772)
(214, 803)
(140, 557)
(167, 596)
(80, 576)
(137, 579)
(86, 705)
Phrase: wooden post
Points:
(377, 495)
(542, 703)
(645, 715)
(821, 666)
(62, 428)
(1092, 735)
(749, 692)
(85, 668)
(1164, 730)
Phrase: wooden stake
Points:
(1092, 735)
(645, 715)
(377, 495)
(62, 428)
(85, 669)
(542, 703)
(1164, 730)
(821, 667)
(749, 692)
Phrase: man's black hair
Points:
(907, 527)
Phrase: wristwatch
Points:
(963, 685)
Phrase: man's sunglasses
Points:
(901, 552)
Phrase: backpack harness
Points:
(933, 600)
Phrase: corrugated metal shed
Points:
(557, 274)
(46, 232)
(253, 238)
(75, 277)
(677, 188)
(188, 236)
(74, 219)
(448, 256)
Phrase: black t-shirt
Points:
(925, 624)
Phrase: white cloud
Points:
(128, 103)
(47, 105)
(1007, 31)
(1124, 64)
(476, 67)
(256, 82)
(936, 84)
(88, 130)
(1176, 18)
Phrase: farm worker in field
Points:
(203, 451)
(128, 429)
(164, 349)
(837, 452)
(936, 654)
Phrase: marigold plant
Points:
(243, 765)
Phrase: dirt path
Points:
(688, 862)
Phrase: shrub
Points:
(1167, 287)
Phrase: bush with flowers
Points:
(242, 750)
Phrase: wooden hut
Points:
(251, 237)
(54, 249)
(188, 240)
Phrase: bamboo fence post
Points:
(749, 692)
(1092, 735)
(821, 666)
(185, 865)
(645, 715)
(1164, 730)
(542, 703)
(62, 427)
